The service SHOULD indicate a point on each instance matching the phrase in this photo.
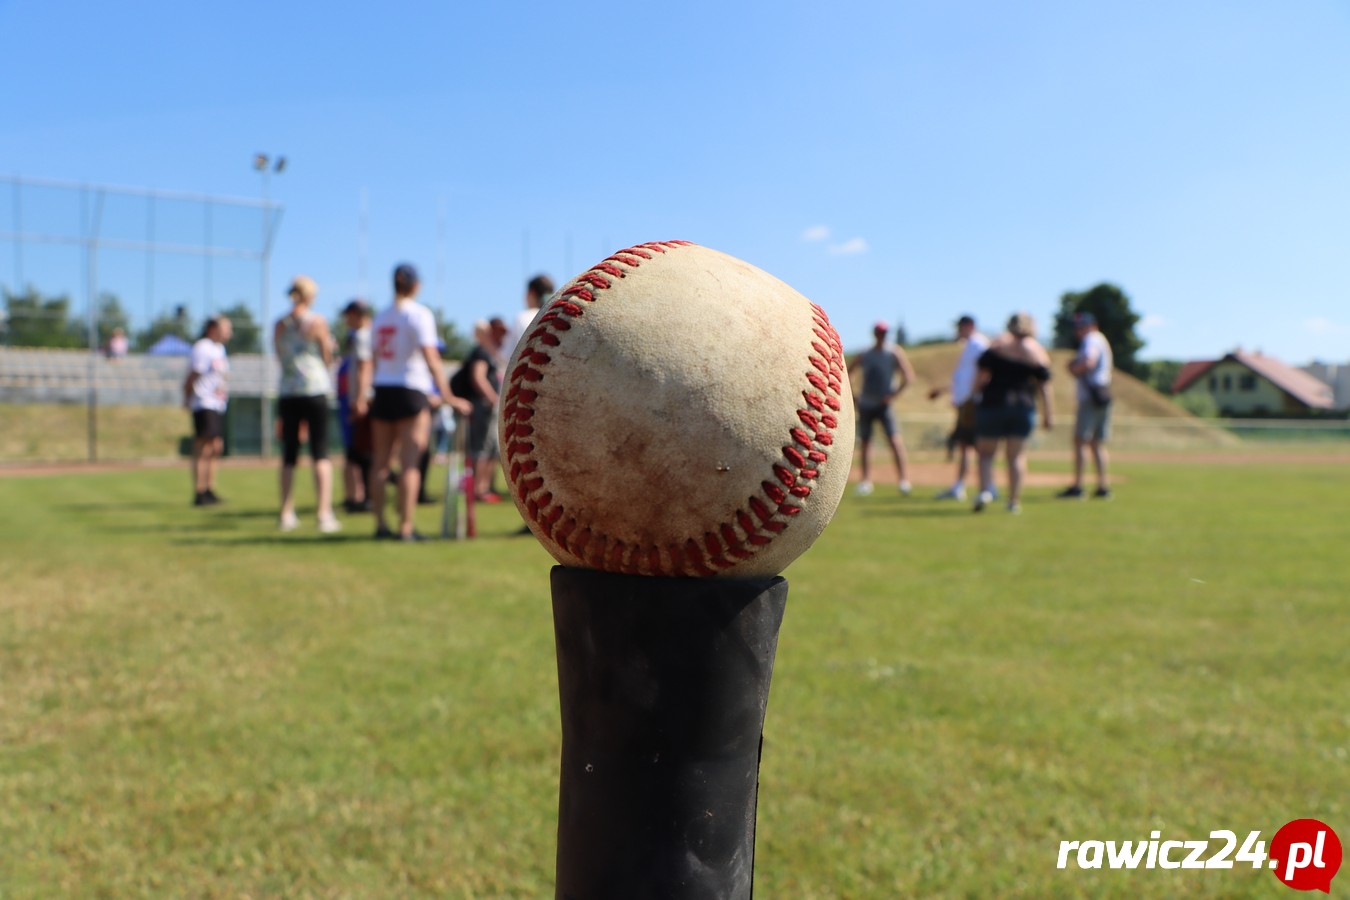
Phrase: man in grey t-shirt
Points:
(879, 367)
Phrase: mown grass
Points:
(194, 706)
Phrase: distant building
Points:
(1338, 376)
(1252, 384)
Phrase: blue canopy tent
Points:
(170, 345)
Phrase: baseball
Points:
(676, 411)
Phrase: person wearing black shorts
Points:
(407, 369)
(205, 394)
(305, 349)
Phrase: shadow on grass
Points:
(917, 512)
(279, 540)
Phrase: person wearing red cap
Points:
(879, 367)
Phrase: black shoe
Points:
(353, 506)
(384, 534)
(523, 532)
(210, 497)
(1071, 493)
(426, 500)
(1102, 493)
(200, 499)
(414, 537)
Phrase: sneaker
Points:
(864, 488)
(211, 498)
(489, 498)
(956, 492)
(426, 500)
(1102, 493)
(288, 522)
(1014, 508)
(905, 488)
(983, 500)
(413, 537)
(1071, 493)
(200, 499)
(382, 533)
(329, 525)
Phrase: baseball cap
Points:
(357, 305)
(881, 328)
(304, 286)
(1084, 318)
(966, 319)
(405, 276)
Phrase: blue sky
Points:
(908, 160)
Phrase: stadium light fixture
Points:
(260, 162)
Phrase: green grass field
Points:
(194, 706)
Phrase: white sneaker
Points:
(1014, 508)
(288, 522)
(985, 498)
(864, 488)
(329, 525)
(905, 488)
(956, 492)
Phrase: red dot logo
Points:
(1305, 855)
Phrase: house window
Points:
(1227, 383)
(1213, 384)
(1247, 382)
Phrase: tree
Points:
(176, 323)
(37, 321)
(1160, 373)
(457, 346)
(1111, 307)
(111, 315)
(248, 336)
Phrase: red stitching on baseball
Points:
(758, 521)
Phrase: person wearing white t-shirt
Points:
(407, 369)
(205, 394)
(539, 289)
(962, 393)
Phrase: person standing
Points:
(477, 380)
(879, 366)
(962, 393)
(1012, 374)
(537, 291)
(206, 394)
(357, 354)
(1091, 366)
(305, 348)
(407, 368)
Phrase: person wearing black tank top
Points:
(1012, 375)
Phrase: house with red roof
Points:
(1252, 384)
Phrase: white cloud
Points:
(1321, 325)
(850, 246)
(816, 233)
(1152, 321)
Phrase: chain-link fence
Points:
(102, 291)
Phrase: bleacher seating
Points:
(63, 376)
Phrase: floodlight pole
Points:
(262, 163)
(94, 224)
